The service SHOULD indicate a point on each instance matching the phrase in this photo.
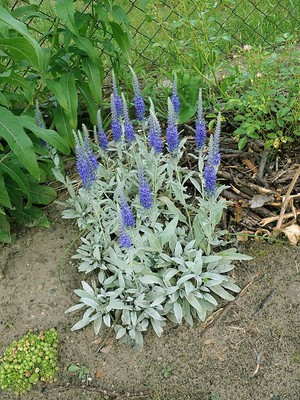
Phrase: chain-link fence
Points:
(156, 26)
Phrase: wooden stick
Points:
(241, 182)
(285, 204)
(268, 220)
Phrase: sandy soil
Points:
(250, 350)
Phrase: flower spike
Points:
(172, 131)
(101, 136)
(128, 128)
(200, 134)
(115, 122)
(174, 98)
(138, 99)
(117, 97)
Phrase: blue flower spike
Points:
(117, 97)
(128, 127)
(175, 98)
(172, 131)
(145, 194)
(138, 99)
(200, 134)
(154, 135)
(116, 127)
(216, 156)
(101, 136)
(124, 237)
(86, 162)
(210, 171)
(126, 213)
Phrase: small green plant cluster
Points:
(29, 360)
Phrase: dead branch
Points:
(285, 203)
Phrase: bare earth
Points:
(250, 350)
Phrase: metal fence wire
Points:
(155, 24)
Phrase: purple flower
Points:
(92, 160)
(155, 139)
(174, 98)
(210, 179)
(144, 191)
(210, 171)
(86, 162)
(102, 138)
(200, 135)
(124, 237)
(138, 99)
(172, 131)
(82, 166)
(216, 157)
(117, 98)
(116, 127)
(128, 128)
(126, 213)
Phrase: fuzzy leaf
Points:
(80, 324)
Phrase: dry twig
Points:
(285, 203)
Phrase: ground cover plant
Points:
(151, 235)
(27, 361)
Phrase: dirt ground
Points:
(251, 349)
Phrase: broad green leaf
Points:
(32, 216)
(48, 135)
(4, 230)
(65, 10)
(94, 75)
(86, 45)
(25, 11)
(20, 27)
(16, 193)
(187, 113)
(16, 80)
(63, 126)
(4, 101)
(123, 39)
(58, 91)
(19, 142)
(67, 82)
(89, 101)
(21, 49)
(42, 194)
(119, 14)
(4, 197)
